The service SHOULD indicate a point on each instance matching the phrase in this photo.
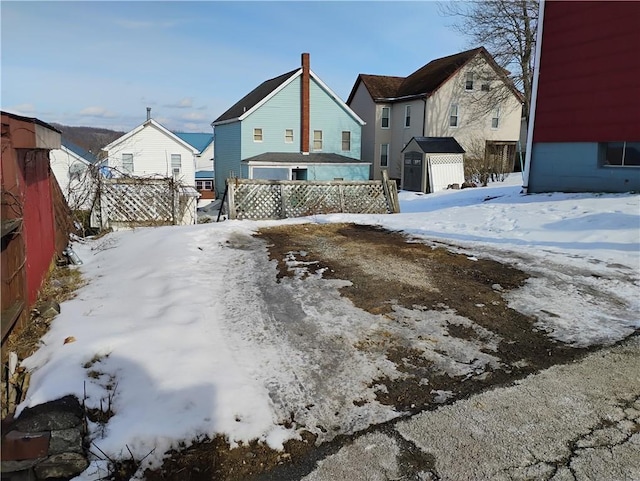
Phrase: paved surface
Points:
(573, 422)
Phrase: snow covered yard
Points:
(202, 330)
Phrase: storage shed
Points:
(431, 164)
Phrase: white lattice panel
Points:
(259, 199)
(446, 170)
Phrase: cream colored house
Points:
(466, 96)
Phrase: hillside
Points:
(89, 138)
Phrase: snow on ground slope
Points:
(174, 324)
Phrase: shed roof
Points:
(204, 174)
(299, 158)
(198, 140)
(437, 145)
(79, 151)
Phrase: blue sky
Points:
(100, 64)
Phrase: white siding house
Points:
(466, 96)
(150, 150)
(71, 166)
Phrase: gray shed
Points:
(431, 164)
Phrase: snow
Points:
(177, 327)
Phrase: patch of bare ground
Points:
(388, 271)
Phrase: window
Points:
(453, 116)
(407, 116)
(346, 140)
(484, 87)
(468, 85)
(257, 135)
(384, 155)
(385, 118)
(176, 162)
(288, 136)
(623, 154)
(204, 184)
(317, 140)
(127, 162)
(495, 118)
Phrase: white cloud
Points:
(96, 112)
(194, 116)
(185, 103)
(23, 109)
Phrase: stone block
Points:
(64, 465)
(66, 441)
(63, 413)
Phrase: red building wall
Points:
(38, 220)
(589, 79)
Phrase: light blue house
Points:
(291, 127)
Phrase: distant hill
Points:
(89, 138)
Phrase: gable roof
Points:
(250, 100)
(198, 140)
(437, 145)
(155, 124)
(426, 80)
(81, 153)
(263, 92)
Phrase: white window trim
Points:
(343, 141)
(495, 115)
(255, 131)
(380, 157)
(466, 81)
(407, 115)
(388, 118)
(286, 140)
(457, 116)
(132, 163)
(315, 140)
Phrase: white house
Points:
(151, 150)
(72, 168)
(466, 96)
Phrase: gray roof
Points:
(254, 97)
(438, 145)
(298, 158)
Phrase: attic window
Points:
(469, 83)
(257, 135)
(346, 140)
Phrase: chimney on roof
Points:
(304, 105)
(148, 113)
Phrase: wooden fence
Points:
(137, 202)
(280, 199)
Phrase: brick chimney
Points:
(304, 105)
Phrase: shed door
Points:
(413, 165)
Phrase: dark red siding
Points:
(39, 230)
(589, 82)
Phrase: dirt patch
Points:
(410, 285)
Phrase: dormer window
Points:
(469, 82)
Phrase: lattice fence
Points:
(279, 199)
(135, 202)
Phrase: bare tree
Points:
(507, 29)
(484, 162)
